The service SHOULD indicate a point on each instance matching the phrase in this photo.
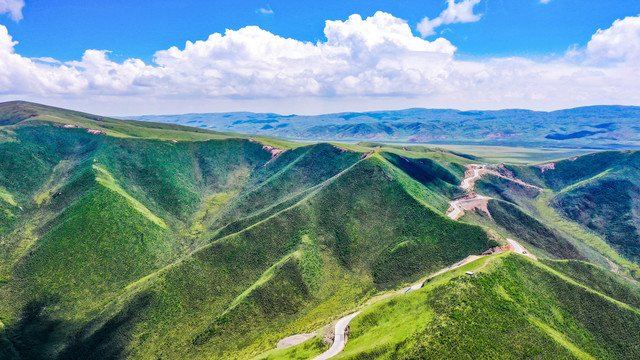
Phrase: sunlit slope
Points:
(354, 235)
(583, 208)
(127, 239)
(85, 215)
(512, 308)
(30, 114)
(599, 191)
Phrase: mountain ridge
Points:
(601, 126)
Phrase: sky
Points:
(120, 57)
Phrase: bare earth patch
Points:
(275, 152)
(295, 340)
(547, 166)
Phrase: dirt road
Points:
(475, 200)
(518, 249)
(469, 182)
(340, 338)
(295, 340)
(458, 209)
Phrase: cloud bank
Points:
(375, 61)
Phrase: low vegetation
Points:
(125, 239)
(223, 246)
(514, 308)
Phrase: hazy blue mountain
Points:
(593, 126)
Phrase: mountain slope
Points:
(510, 307)
(137, 240)
(599, 191)
(123, 239)
(358, 243)
(513, 308)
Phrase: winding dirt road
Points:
(340, 330)
(339, 338)
(458, 205)
(469, 182)
(475, 200)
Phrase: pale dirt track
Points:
(295, 340)
(340, 334)
(340, 338)
(473, 200)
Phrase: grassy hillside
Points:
(313, 261)
(599, 192)
(124, 239)
(513, 308)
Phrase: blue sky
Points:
(63, 29)
(113, 56)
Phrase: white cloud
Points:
(265, 11)
(46, 59)
(620, 42)
(359, 56)
(456, 12)
(377, 55)
(370, 63)
(545, 1)
(13, 8)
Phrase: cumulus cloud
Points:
(620, 42)
(13, 8)
(375, 60)
(377, 55)
(456, 12)
(545, 1)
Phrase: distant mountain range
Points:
(608, 127)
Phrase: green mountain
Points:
(126, 239)
(600, 191)
(511, 307)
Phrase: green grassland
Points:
(509, 154)
(587, 203)
(160, 241)
(593, 198)
(146, 241)
(513, 308)
(288, 282)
